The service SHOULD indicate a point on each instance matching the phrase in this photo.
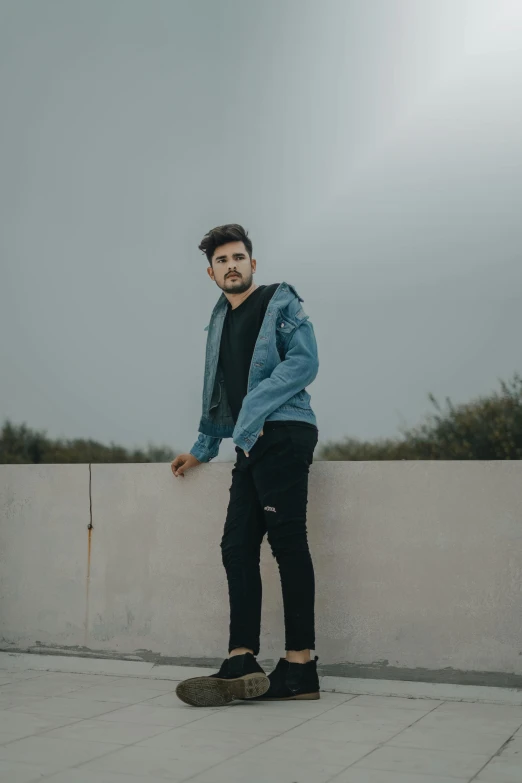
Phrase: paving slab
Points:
(125, 725)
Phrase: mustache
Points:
(232, 274)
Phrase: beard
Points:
(237, 285)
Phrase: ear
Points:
(210, 272)
(253, 264)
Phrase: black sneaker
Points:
(240, 677)
(293, 681)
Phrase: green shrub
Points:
(486, 428)
(19, 444)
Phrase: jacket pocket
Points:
(284, 330)
(284, 326)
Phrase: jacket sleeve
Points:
(205, 448)
(297, 370)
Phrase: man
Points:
(261, 354)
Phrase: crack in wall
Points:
(89, 549)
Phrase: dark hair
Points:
(231, 232)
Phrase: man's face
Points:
(232, 269)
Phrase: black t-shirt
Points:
(240, 333)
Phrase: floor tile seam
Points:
(498, 753)
(381, 745)
(243, 752)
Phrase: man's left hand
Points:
(247, 454)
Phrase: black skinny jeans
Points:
(269, 494)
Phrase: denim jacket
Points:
(284, 362)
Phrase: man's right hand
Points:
(182, 463)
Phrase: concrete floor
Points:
(67, 727)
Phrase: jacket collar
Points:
(282, 297)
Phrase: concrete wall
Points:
(418, 564)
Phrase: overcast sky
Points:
(371, 147)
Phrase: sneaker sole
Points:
(215, 692)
